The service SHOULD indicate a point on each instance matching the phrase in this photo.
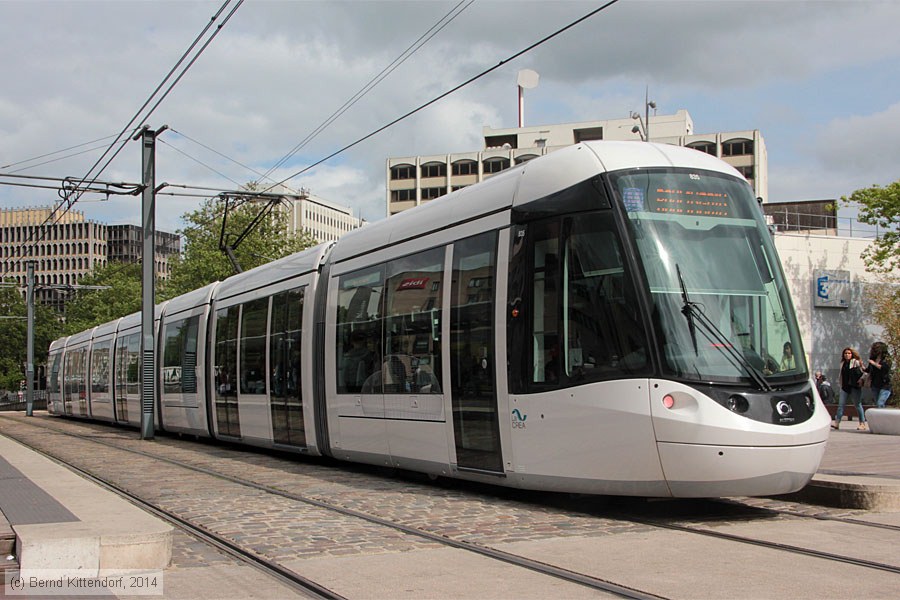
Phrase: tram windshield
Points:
(720, 301)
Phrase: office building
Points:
(65, 247)
(414, 180)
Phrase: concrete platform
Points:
(67, 524)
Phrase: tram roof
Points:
(190, 300)
(522, 184)
(278, 270)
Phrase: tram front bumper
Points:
(700, 471)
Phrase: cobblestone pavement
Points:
(281, 528)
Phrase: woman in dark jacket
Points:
(879, 369)
(851, 371)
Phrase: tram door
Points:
(473, 378)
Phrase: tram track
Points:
(789, 548)
(817, 517)
(293, 579)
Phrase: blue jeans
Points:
(855, 395)
(881, 396)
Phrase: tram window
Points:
(180, 356)
(53, 383)
(573, 305)
(412, 328)
(545, 341)
(287, 314)
(601, 324)
(284, 375)
(254, 316)
(133, 364)
(100, 368)
(359, 316)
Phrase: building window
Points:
(403, 172)
(495, 165)
(747, 172)
(434, 170)
(402, 195)
(737, 148)
(432, 193)
(465, 167)
(502, 141)
(586, 135)
(708, 147)
(525, 158)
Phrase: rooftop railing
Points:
(787, 221)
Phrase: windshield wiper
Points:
(693, 314)
(687, 309)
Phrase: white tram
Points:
(610, 318)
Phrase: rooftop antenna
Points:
(527, 79)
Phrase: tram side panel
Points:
(127, 366)
(183, 348)
(55, 360)
(579, 405)
(101, 372)
(127, 375)
(388, 360)
(76, 375)
(261, 355)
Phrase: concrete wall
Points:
(826, 331)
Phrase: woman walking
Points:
(851, 371)
(879, 370)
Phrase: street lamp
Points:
(644, 128)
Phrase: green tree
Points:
(93, 307)
(883, 304)
(880, 206)
(203, 262)
(14, 332)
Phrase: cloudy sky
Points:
(821, 80)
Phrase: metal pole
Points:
(647, 114)
(29, 365)
(148, 273)
(521, 107)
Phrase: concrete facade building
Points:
(125, 244)
(414, 180)
(63, 247)
(827, 330)
(323, 220)
(67, 247)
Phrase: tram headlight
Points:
(809, 403)
(737, 404)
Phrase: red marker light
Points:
(668, 401)
(515, 313)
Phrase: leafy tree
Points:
(883, 301)
(93, 307)
(14, 332)
(203, 262)
(880, 206)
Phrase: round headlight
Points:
(737, 404)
